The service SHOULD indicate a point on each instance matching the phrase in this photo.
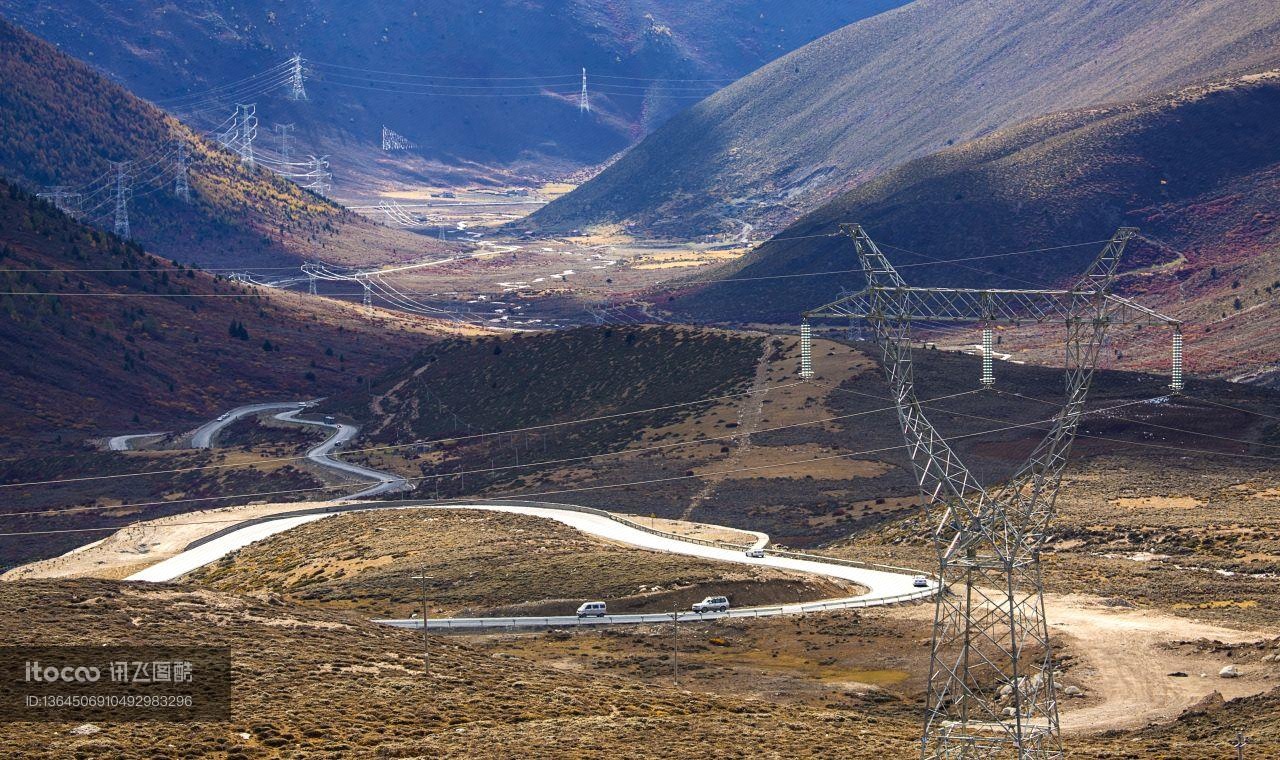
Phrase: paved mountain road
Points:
(204, 435)
(322, 456)
(121, 442)
(884, 586)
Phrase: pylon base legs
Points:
(991, 677)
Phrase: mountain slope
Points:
(900, 85)
(477, 118)
(62, 123)
(1197, 170)
(103, 338)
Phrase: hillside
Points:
(64, 123)
(496, 80)
(104, 338)
(1195, 170)
(897, 86)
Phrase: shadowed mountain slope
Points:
(102, 338)
(1196, 170)
(900, 85)
(63, 123)
(496, 81)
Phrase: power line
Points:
(581, 488)
(424, 442)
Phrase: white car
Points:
(591, 609)
(920, 582)
(755, 553)
(712, 604)
(223, 416)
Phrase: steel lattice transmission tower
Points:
(317, 177)
(123, 193)
(61, 197)
(393, 140)
(242, 134)
(296, 90)
(286, 141)
(180, 186)
(991, 687)
(584, 103)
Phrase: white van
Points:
(589, 609)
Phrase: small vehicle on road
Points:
(920, 582)
(329, 419)
(755, 553)
(712, 604)
(592, 609)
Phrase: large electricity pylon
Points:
(991, 687)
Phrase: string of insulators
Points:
(988, 355)
(806, 351)
(1175, 383)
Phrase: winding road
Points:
(204, 435)
(885, 585)
(322, 456)
(122, 442)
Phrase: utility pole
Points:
(426, 652)
(991, 690)
(675, 647)
(296, 90)
(1239, 744)
(584, 104)
(367, 301)
(180, 187)
(286, 148)
(123, 193)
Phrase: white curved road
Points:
(883, 586)
(122, 442)
(203, 436)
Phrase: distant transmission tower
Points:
(317, 176)
(61, 197)
(991, 691)
(296, 90)
(392, 140)
(246, 130)
(123, 193)
(180, 187)
(584, 103)
(286, 141)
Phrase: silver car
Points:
(712, 604)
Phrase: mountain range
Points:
(62, 123)
(482, 90)
(102, 336)
(900, 85)
(1197, 170)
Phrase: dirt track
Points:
(1124, 664)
